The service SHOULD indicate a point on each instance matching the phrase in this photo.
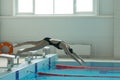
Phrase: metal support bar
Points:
(46, 50)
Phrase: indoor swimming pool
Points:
(50, 68)
(96, 71)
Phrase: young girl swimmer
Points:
(50, 41)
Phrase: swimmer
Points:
(59, 44)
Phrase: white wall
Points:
(106, 7)
(6, 7)
(97, 31)
(117, 29)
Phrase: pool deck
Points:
(19, 71)
(3, 61)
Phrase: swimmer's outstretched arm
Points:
(72, 55)
(79, 57)
(75, 58)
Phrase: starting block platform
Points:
(7, 56)
(10, 60)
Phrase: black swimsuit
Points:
(56, 45)
(50, 43)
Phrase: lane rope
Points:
(72, 75)
(61, 66)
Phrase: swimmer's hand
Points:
(82, 62)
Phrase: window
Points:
(63, 7)
(84, 5)
(43, 6)
(23, 8)
(54, 7)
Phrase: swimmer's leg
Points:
(26, 43)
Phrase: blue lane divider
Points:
(49, 63)
(17, 75)
(36, 67)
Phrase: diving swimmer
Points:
(59, 44)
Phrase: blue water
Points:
(86, 72)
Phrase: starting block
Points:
(10, 60)
(6, 56)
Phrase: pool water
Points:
(91, 74)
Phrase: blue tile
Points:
(9, 76)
